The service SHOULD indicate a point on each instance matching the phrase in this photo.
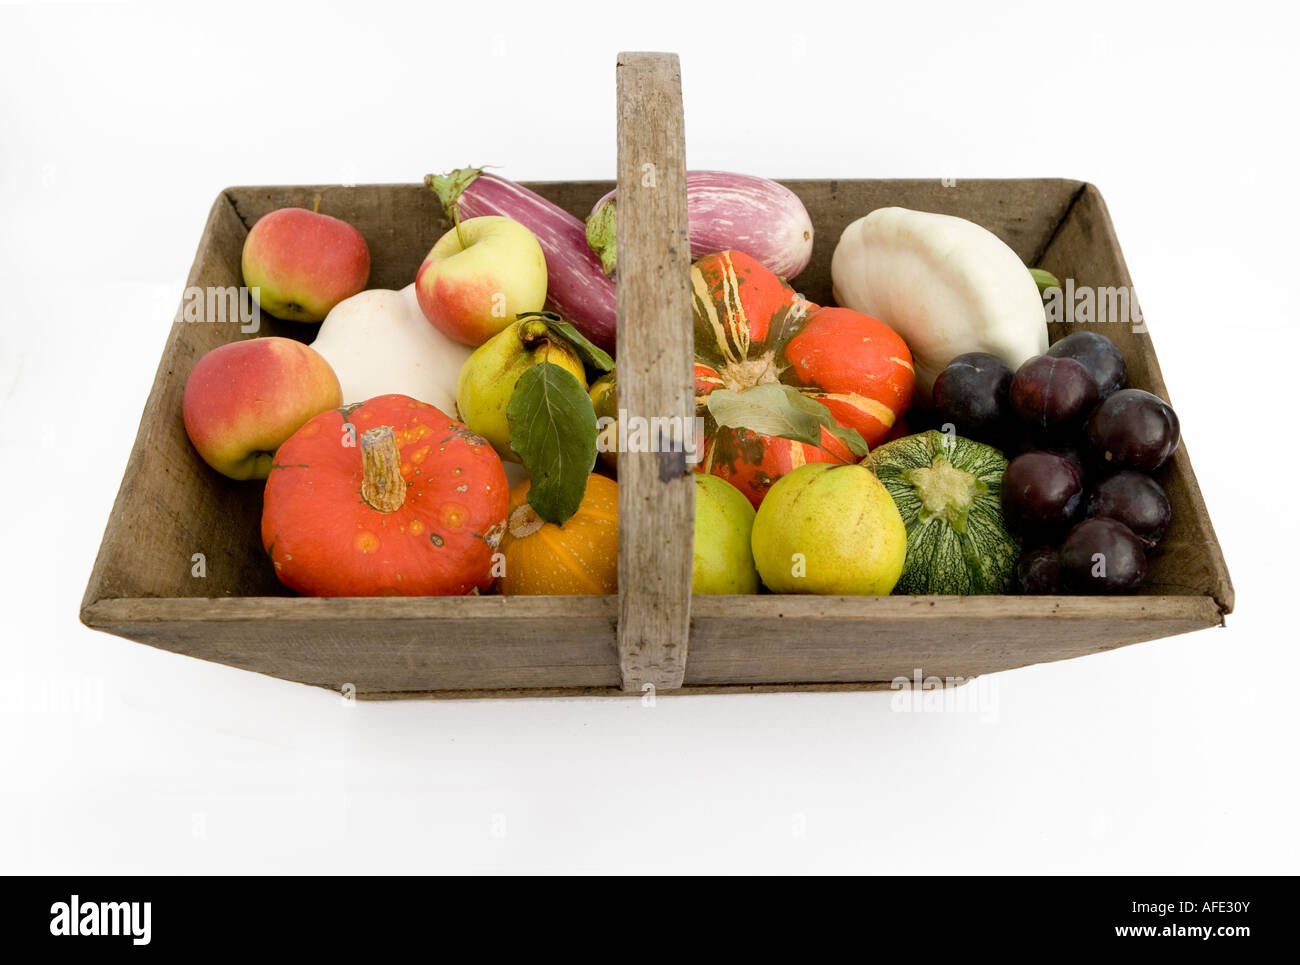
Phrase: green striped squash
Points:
(949, 492)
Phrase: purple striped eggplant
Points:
(577, 289)
(763, 219)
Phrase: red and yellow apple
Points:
(479, 277)
(299, 264)
(243, 399)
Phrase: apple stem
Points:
(382, 485)
(455, 221)
(449, 187)
(315, 205)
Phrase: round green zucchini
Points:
(948, 490)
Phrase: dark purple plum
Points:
(1099, 355)
(972, 393)
(1136, 500)
(1039, 571)
(1053, 396)
(1075, 458)
(1102, 556)
(1132, 429)
(1041, 494)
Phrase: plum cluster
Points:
(1079, 490)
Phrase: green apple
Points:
(723, 560)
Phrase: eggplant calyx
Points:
(450, 186)
(602, 234)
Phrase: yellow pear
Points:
(829, 529)
(488, 377)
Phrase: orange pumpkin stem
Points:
(525, 521)
(382, 485)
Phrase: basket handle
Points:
(656, 500)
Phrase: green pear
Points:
(604, 401)
(723, 561)
(488, 377)
(827, 528)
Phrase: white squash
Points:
(379, 342)
(945, 284)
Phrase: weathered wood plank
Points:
(655, 356)
(171, 505)
(386, 644)
(1024, 213)
(400, 222)
(565, 646)
(770, 639)
(590, 692)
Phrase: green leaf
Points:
(771, 409)
(851, 438)
(776, 409)
(1044, 279)
(593, 356)
(553, 431)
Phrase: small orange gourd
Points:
(579, 557)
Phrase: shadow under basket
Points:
(171, 505)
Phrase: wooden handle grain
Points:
(655, 354)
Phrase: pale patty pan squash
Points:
(948, 490)
(379, 343)
(945, 284)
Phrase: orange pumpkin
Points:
(751, 461)
(391, 497)
(579, 557)
(856, 366)
(744, 316)
(751, 327)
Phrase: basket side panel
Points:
(387, 645)
(804, 640)
(1022, 212)
(171, 505)
(1086, 251)
(400, 222)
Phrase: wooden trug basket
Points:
(172, 506)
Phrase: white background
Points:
(119, 123)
